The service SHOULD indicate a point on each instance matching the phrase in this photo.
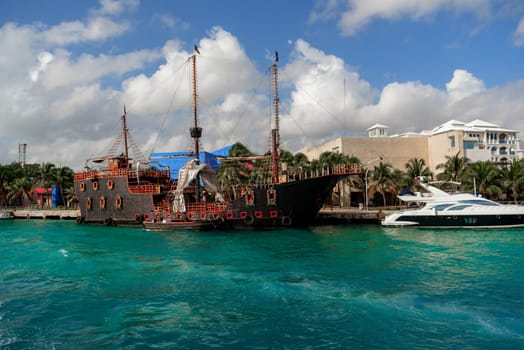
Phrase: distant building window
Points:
(502, 138)
(493, 150)
(451, 141)
(512, 151)
(469, 145)
(503, 151)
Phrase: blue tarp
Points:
(176, 160)
(56, 198)
(223, 152)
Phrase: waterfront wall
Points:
(55, 214)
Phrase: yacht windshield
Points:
(479, 202)
(459, 207)
(441, 206)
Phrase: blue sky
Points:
(68, 67)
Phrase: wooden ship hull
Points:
(118, 190)
(119, 196)
(271, 206)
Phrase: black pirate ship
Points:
(127, 191)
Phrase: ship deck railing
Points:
(340, 169)
(215, 207)
(105, 173)
(143, 189)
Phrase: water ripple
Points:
(336, 287)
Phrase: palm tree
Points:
(300, 160)
(329, 159)
(383, 181)
(41, 176)
(416, 167)
(70, 196)
(512, 177)
(486, 175)
(45, 174)
(20, 191)
(259, 172)
(4, 183)
(300, 164)
(454, 168)
(287, 157)
(232, 174)
(350, 182)
(239, 150)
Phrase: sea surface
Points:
(69, 286)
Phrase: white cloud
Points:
(324, 10)
(358, 13)
(96, 29)
(99, 26)
(410, 106)
(318, 108)
(44, 58)
(47, 96)
(65, 71)
(316, 102)
(224, 73)
(59, 104)
(18, 42)
(171, 22)
(115, 7)
(221, 58)
(518, 35)
(463, 84)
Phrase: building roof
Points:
(378, 126)
(476, 125)
(482, 124)
(410, 134)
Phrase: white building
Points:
(477, 140)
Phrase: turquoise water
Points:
(68, 286)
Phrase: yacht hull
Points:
(462, 221)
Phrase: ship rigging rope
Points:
(298, 125)
(169, 108)
(296, 122)
(304, 90)
(229, 135)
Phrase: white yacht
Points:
(5, 214)
(441, 209)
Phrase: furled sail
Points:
(190, 172)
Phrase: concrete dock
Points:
(325, 216)
(349, 215)
(52, 214)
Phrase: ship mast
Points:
(275, 135)
(195, 131)
(124, 131)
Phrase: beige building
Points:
(476, 140)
